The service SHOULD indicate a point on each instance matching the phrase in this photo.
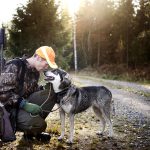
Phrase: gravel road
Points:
(128, 97)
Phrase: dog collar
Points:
(62, 92)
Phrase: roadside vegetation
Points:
(119, 72)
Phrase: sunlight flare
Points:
(73, 6)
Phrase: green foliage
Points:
(106, 33)
(140, 55)
(64, 58)
(38, 24)
(113, 34)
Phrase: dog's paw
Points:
(60, 138)
(69, 141)
(100, 133)
(110, 136)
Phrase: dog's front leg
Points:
(71, 119)
(62, 118)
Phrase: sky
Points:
(8, 8)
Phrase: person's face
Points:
(41, 64)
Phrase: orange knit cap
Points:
(48, 54)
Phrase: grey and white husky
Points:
(74, 100)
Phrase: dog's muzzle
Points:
(49, 78)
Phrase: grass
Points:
(125, 77)
(119, 72)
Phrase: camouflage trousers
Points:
(36, 124)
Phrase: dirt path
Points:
(131, 122)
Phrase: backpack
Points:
(7, 133)
(8, 120)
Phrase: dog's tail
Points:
(113, 107)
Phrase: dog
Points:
(74, 100)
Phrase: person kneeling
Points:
(21, 98)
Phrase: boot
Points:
(28, 137)
(43, 137)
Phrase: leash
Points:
(62, 103)
(43, 103)
(46, 101)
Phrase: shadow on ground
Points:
(127, 135)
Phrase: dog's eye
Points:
(55, 72)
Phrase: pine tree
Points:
(36, 24)
(141, 44)
(125, 29)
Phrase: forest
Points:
(112, 38)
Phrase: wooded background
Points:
(107, 33)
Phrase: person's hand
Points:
(34, 109)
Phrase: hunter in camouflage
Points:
(9, 84)
(20, 94)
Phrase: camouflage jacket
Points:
(9, 85)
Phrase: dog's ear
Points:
(66, 82)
